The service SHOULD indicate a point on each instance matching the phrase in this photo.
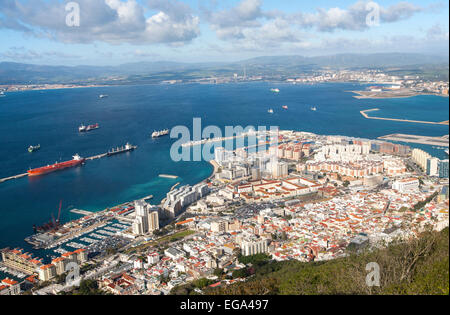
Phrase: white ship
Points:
(103, 96)
(270, 111)
(157, 134)
(275, 90)
(314, 109)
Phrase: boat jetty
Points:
(168, 176)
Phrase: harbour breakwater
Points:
(364, 113)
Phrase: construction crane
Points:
(59, 214)
(52, 225)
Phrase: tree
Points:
(421, 182)
(202, 283)
(240, 273)
(218, 272)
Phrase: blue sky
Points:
(119, 31)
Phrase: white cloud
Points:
(353, 18)
(112, 21)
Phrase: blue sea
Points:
(131, 113)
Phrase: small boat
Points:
(32, 148)
(2, 94)
(270, 111)
(314, 109)
(103, 96)
(285, 107)
(275, 90)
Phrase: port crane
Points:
(52, 225)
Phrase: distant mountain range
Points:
(18, 73)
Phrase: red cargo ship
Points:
(77, 160)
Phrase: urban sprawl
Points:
(308, 198)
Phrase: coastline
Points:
(215, 170)
(51, 87)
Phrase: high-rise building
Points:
(219, 155)
(253, 247)
(147, 218)
(47, 272)
(421, 157)
(153, 221)
(433, 166)
(443, 169)
(280, 170)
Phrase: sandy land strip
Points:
(386, 95)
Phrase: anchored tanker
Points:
(84, 128)
(157, 134)
(128, 147)
(77, 160)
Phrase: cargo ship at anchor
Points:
(84, 128)
(77, 160)
(127, 148)
(161, 133)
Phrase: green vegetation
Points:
(419, 266)
(189, 289)
(218, 272)
(87, 287)
(241, 273)
(257, 259)
(422, 204)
